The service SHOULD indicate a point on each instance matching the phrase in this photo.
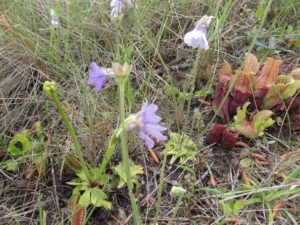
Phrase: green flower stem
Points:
(110, 150)
(125, 153)
(71, 131)
(160, 187)
(176, 209)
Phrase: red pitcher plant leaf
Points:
(268, 74)
(221, 135)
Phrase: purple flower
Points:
(98, 76)
(150, 124)
(198, 36)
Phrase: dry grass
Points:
(29, 56)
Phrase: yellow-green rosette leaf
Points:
(19, 145)
(135, 171)
(181, 147)
(98, 199)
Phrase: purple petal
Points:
(149, 142)
(149, 115)
(150, 124)
(99, 84)
(97, 76)
(155, 130)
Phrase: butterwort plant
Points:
(197, 39)
(90, 180)
(145, 122)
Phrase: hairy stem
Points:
(125, 154)
(72, 133)
(109, 151)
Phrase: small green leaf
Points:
(205, 91)
(10, 165)
(226, 209)
(85, 198)
(82, 176)
(245, 163)
(180, 147)
(77, 182)
(238, 205)
(135, 170)
(98, 198)
(96, 175)
(23, 141)
(269, 123)
(97, 194)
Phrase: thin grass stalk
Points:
(161, 181)
(176, 209)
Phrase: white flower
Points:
(117, 6)
(54, 20)
(198, 36)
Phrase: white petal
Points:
(116, 8)
(204, 21)
(196, 38)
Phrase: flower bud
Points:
(49, 87)
(132, 123)
(177, 191)
(121, 72)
